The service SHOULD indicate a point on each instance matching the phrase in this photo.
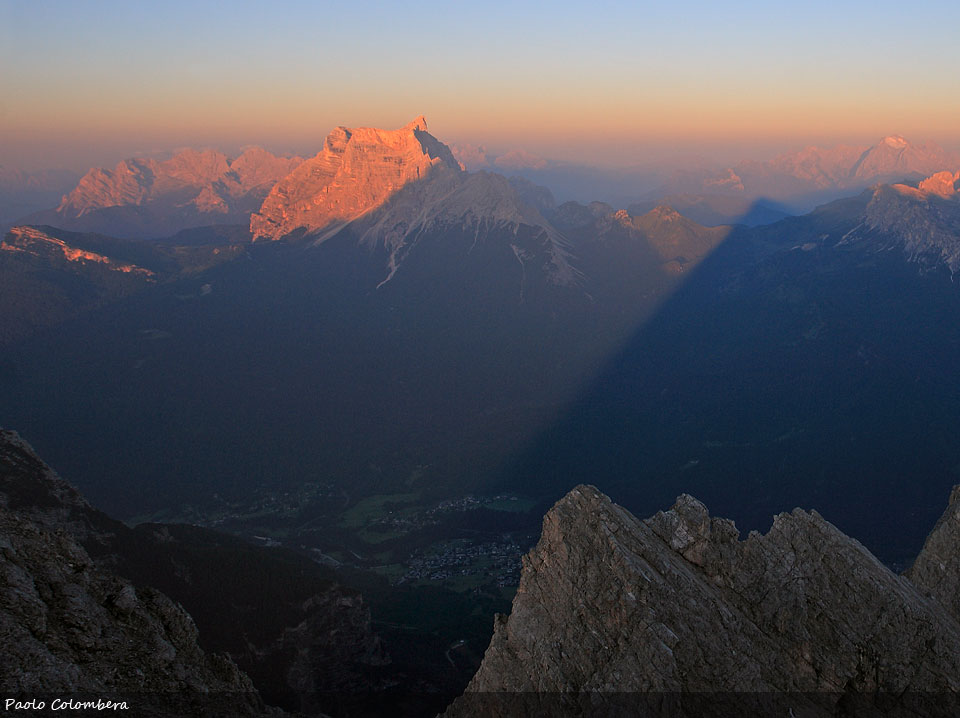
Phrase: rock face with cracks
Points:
(71, 626)
(356, 171)
(936, 571)
(802, 618)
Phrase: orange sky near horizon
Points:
(89, 85)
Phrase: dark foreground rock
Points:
(675, 615)
(937, 569)
(90, 607)
(70, 630)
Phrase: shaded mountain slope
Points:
(49, 275)
(794, 365)
(71, 626)
(299, 635)
(474, 316)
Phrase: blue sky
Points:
(608, 80)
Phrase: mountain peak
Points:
(943, 184)
(894, 158)
(678, 602)
(894, 141)
(146, 197)
(418, 123)
(356, 171)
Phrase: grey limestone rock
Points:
(680, 614)
(936, 571)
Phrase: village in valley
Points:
(400, 537)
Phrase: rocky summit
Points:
(356, 171)
(923, 221)
(397, 191)
(146, 198)
(677, 615)
(206, 180)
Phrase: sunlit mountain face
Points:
(146, 198)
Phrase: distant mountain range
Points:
(815, 175)
(749, 192)
(148, 198)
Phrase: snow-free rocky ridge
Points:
(676, 611)
(357, 170)
(392, 189)
(147, 198)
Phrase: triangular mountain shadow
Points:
(790, 369)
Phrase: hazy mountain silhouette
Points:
(814, 175)
(148, 198)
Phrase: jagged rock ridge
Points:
(149, 198)
(207, 180)
(390, 189)
(923, 220)
(356, 171)
(677, 603)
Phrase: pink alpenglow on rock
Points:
(356, 171)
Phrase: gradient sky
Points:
(84, 82)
